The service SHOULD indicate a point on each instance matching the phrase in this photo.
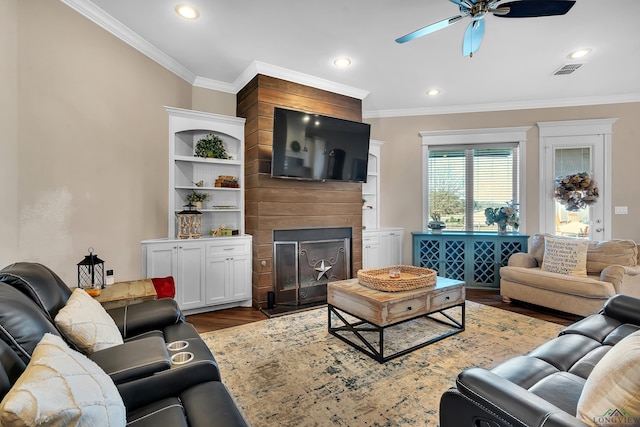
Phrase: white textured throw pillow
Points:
(61, 387)
(565, 256)
(85, 323)
(613, 389)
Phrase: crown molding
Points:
(519, 105)
(115, 27)
(206, 83)
(92, 12)
(257, 67)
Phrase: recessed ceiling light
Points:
(579, 53)
(187, 12)
(342, 62)
(433, 92)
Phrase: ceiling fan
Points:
(477, 9)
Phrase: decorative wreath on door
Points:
(576, 191)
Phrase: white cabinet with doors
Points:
(382, 247)
(184, 260)
(228, 271)
(209, 274)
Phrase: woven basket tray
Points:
(410, 278)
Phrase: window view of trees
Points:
(463, 182)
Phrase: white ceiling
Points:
(298, 40)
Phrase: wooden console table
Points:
(472, 256)
(126, 293)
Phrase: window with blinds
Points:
(463, 181)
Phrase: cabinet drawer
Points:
(446, 299)
(406, 309)
(227, 248)
(370, 240)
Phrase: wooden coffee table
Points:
(377, 311)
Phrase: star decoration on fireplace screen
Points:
(323, 269)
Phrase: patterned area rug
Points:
(289, 371)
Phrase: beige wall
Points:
(213, 101)
(401, 164)
(92, 141)
(9, 127)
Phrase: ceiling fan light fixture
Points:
(187, 12)
(343, 62)
(580, 53)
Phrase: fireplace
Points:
(305, 260)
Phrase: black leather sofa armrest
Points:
(623, 308)
(486, 396)
(134, 359)
(136, 319)
(170, 383)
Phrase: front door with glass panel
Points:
(568, 156)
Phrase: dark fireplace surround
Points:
(305, 260)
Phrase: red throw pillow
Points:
(165, 286)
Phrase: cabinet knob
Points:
(409, 308)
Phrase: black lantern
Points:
(91, 271)
(189, 223)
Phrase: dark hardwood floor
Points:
(221, 319)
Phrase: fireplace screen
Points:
(303, 269)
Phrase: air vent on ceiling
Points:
(566, 69)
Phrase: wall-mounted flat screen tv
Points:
(319, 148)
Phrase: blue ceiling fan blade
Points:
(473, 37)
(429, 29)
(463, 3)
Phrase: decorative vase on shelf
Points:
(436, 227)
(502, 228)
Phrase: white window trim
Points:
(475, 136)
(575, 128)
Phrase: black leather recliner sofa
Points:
(155, 388)
(543, 387)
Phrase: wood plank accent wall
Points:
(278, 204)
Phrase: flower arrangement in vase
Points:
(503, 216)
(576, 191)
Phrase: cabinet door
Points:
(160, 260)
(427, 253)
(484, 258)
(370, 251)
(395, 248)
(217, 283)
(239, 277)
(191, 276)
(384, 249)
(453, 255)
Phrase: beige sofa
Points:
(613, 267)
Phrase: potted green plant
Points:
(211, 146)
(197, 198)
